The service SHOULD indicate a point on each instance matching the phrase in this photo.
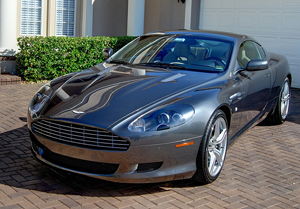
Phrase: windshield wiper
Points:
(162, 64)
(177, 66)
(119, 62)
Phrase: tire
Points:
(212, 151)
(282, 106)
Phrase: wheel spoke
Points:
(286, 98)
(212, 162)
(218, 155)
(217, 127)
(212, 141)
(285, 94)
(221, 137)
(283, 110)
(286, 88)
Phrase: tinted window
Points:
(191, 52)
(260, 51)
(248, 51)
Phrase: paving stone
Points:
(104, 204)
(262, 170)
(143, 201)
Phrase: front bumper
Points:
(139, 164)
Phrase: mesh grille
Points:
(79, 135)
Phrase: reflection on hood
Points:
(100, 96)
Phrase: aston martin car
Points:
(164, 107)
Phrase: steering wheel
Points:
(218, 60)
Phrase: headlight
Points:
(164, 118)
(40, 99)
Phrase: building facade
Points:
(82, 18)
(274, 23)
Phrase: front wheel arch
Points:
(228, 114)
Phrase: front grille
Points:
(79, 135)
(71, 163)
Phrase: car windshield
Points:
(176, 51)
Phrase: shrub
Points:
(44, 58)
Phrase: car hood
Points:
(100, 96)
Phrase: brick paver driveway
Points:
(262, 169)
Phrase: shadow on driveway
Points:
(20, 169)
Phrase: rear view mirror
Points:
(257, 65)
(108, 52)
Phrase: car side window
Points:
(260, 51)
(248, 51)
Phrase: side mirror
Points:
(257, 65)
(108, 52)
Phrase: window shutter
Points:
(65, 17)
(31, 17)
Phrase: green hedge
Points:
(44, 58)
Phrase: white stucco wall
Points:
(135, 18)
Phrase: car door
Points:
(256, 83)
(234, 92)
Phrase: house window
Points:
(65, 18)
(31, 17)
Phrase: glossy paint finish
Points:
(110, 96)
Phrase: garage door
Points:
(274, 23)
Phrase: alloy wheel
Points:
(285, 100)
(217, 145)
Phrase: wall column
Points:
(135, 18)
(8, 27)
(87, 18)
(51, 18)
(188, 14)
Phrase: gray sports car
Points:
(164, 107)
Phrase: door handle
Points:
(267, 75)
(236, 96)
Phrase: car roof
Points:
(205, 33)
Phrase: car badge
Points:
(77, 112)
